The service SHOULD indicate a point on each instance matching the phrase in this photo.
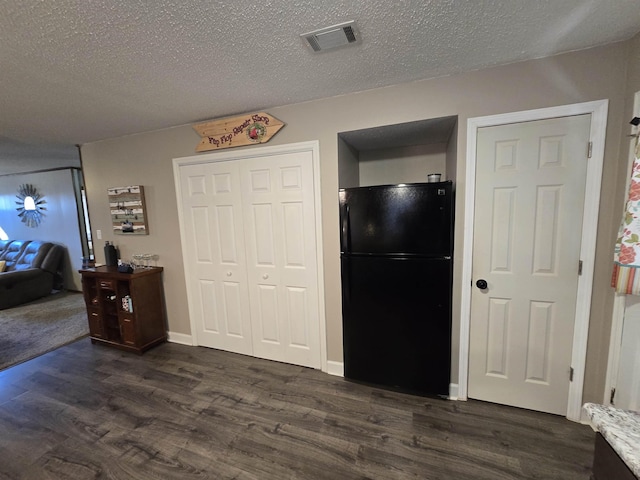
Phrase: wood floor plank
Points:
(178, 412)
(56, 416)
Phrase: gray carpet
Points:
(38, 327)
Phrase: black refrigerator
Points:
(396, 266)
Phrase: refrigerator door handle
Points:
(346, 230)
(346, 288)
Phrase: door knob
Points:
(265, 276)
(482, 284)
(228, 274)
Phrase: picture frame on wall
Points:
(128, 210)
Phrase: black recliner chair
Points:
(32, 271)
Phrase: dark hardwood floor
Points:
(87, 411)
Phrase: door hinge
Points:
(571, 374)
(613, 395)
(589, 149)
(579, 267)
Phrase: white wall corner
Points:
(335, 368)
(181, 338)
(453, 391)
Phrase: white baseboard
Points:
(180, 338)
(335, 368)
(453, 391)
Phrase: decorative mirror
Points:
(30, 205)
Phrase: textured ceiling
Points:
(77, 71)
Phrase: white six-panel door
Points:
(212, 217)
(281, 258)
(250, 244)
(530, 188)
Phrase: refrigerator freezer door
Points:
(414, 219)
(396, 322)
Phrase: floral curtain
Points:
(626, 257)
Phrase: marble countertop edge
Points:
(621, 429)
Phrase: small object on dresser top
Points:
(125, 268)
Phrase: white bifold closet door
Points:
(252, 256)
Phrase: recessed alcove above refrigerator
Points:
(400, 153)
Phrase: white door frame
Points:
(620, 299)
(242, 154)
(598, 110)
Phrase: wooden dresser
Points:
(125, 310)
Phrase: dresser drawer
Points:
(96, 325)
(106, 284)
(128, 329)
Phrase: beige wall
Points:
(348, 166)
(389, 166)
(571, 78)
(596, 363)
(451, 159)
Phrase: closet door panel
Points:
(278, 201)
(217, 279)
(249, 229)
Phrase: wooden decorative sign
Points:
(128, 214)
(230, 132)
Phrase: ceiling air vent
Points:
(332, 37)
